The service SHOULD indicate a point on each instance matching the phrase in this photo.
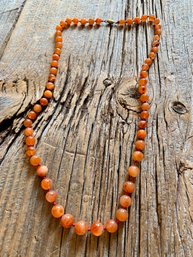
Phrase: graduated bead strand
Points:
(67, 220)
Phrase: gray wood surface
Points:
(87, 133)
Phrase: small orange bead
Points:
(111, 226)
(46, 184)
(155, 43)
(137, 156)
(144, 115)
(129, 22)
(57, 211)
(75, 21)
(125, 201)
(144, 98)
(90, 22)
(55, 57)
(51, 196)
(58, 45)
(54, 64)
(97, 228)
(32, 115)
(51, 78)
(30, 141)
(151, 18)
(35, 160)
(145, 67)
(57, 51)
(30, 151)
(145, 107)
(141, 134)
(50, 86)
(27, 123)
(28, 132)
(154, 49)
(81, 228)
(158, 32)
(156, 21)
(129, 187)
(58, 39)
(58, 27)
(143, 74)
(67, 220)
(58, 33)
(156, 27)
(98, 21)
(148, 61)
(156, 38)
(142, 124)
(142, 89)
(122, 23)
(139, 145)
(68, 21)
(42, 170)
(44, 101)
(64, 25)
(122, 214)
(48, 94)
(37, 108)
(53, 70)
(83, 22)
(144, 18)
(137, 20)
(142, 82)
(133, 171)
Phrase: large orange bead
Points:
(48, 94)
(27, 123)
(133, 171)
(57, 51)
(142, 82)
(28, 132)
(32, 115)
(142, 89)
(46, 183)
(42, 171)
(30, 151)
(57, 211)
(144, 98)
(142, 124)
(54, 63)
(67, 220)
(30, 141)
(143, 74)
(141, 134)
(152, 55)
(111, 226)
(145, 107)
(53, 70)
(37, 108)
(51, 78)
(44, 101)
(145, 67)
(125, 201)
(35, 160)
(144, 115)
(122, 214)
(50, 86)
(137, 156)
(140, 145)
(148, 61)
(81, 228)
(129, 187)
(97, 228)
(55, 57)
(51, 196)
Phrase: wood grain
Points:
(87, 133)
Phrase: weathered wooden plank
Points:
(87, 133)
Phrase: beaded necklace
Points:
(67, 220)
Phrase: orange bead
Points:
(125, 201)
(144, 115)
(54, 64)
(51, 196)
(155, 43)
(46, 184)
(139, 145)
(35, 160)
(67, 220)
(148, 61)
(37, 108)
(141, 134)
(83, 22)
(156, 21)
(145, 107)
(129, 22)
(53, 70)
(145, 67)
(51, 78)
(111, 226)
(144, 98)
(97, 228)
(75, 21)
(98, 21)
(57, 211)
(27, 123)
(133, 171)
(44, 101)
(151, 18)
(142, 124)
(48, 94)
(42, 171)
(129, 187)
(28, 132)
(30, 151)
(143, 74)
(137, 20)
(90, 22)
(64, 25)
(81, 228)
(55, 57)
(137, 156)
(154, 49)
(58, 39)
(58, 33)
(58, 27)
(122, 214)
(157, 32)
(122, 23)
(57, 51)
(142, 82)
(30, 141)
(58, 45)
(68, 21)
(142, 89)
(32, 115)
(144, 18)
(156, 38)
